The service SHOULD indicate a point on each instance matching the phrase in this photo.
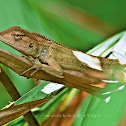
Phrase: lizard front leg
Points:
(52, 67)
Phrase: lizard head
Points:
(22, 40)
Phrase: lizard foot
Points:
(33, 67)
(39, 66)
(36, 65)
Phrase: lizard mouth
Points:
(17, 47)
(23, 50)
(10, 43)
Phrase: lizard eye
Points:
(31, 45)
(18, 37)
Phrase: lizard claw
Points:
(39, 66)
(34, 72)
(33, 67)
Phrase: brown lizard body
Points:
(52, 57)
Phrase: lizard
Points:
(53, 57)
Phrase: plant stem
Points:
(11, 89)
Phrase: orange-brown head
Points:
(22, 40)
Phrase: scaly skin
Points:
(52, 57)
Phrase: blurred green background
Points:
(78, 24)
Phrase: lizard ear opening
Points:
(31, 45)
